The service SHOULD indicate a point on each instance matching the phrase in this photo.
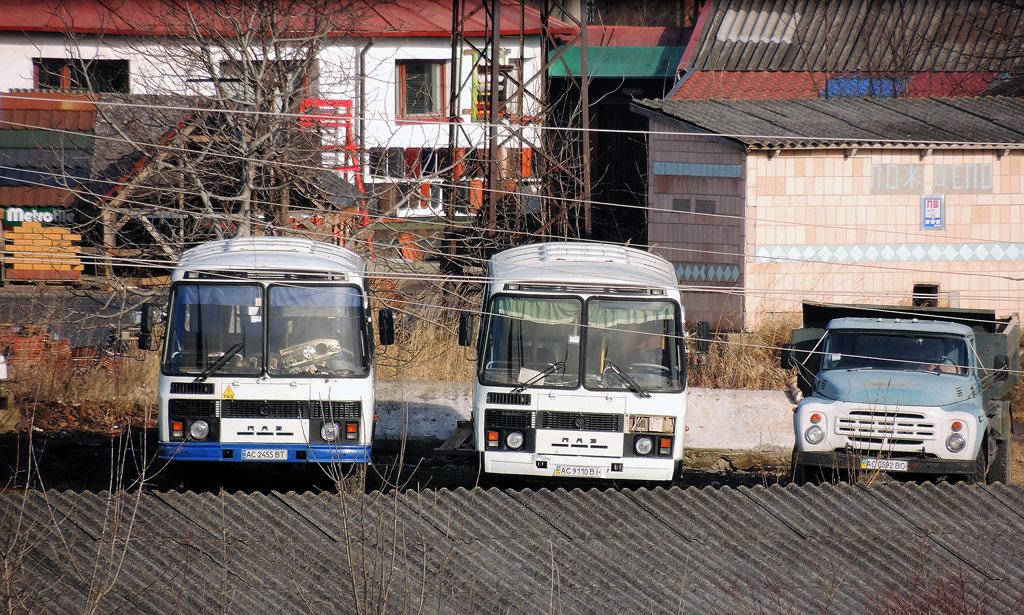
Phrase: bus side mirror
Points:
(466, 326)
(786, 357)
(386, 327)
(703, 337)
(147, 324)
(1000, 364)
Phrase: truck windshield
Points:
(638, 339)
(527, 336)
(208, 320)
(899, 351)
(316, 330)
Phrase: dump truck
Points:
(915, 390)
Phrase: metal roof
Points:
(580, 262)
(856, 35)
(620, 61)
(835, 548)
(361, 18)
(270, 254)
(990, 121)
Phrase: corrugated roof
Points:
(810, 123)
(637, 36)
(763, 85)
(857, 35)
(841, 549)
(364, 18)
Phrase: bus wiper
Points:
(219, 363)
(547, 370)
(632, 384)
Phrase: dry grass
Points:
(747, 360)
(426, 348)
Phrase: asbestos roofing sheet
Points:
(843, 548)
(825, 122)
(858, 35)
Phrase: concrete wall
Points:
(716, 418)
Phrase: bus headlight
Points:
(814, 434)
(514, 440)
(643, 445)
(199, 430)
(955, 443)
(329, 432)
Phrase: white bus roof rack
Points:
(582, 263)
(272, 255)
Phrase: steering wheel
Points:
(655, 369)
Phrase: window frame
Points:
(400, 81)
(78, 74)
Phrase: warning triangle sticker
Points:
(228, 393)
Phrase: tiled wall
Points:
(847, 226)
(834, 225)
(703, 241)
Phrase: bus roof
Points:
(580, 262)
(270, 254)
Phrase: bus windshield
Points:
(633, 343)
(208, 321)
(894, 351)
(316, 330)
(533, 340)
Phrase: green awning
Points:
(648, 62)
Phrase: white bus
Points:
(581, 364)
(268, 354)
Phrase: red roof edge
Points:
(695, 36)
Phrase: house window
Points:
(287, 82)
(106, 76)
(705, 206)
(421, 89)
(507, 91)
(681, 204)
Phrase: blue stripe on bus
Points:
(214, 451)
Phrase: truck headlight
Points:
(329, 432)
(199, 430)
(514, 440)
(643, 445)
(955, 443)
(814, 434)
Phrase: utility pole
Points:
(588, 224)
(492, 116)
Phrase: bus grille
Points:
(508, 419)
(873, 426)
(185, 408)
(580, 421)
(192, 388)
(289, 409)
(508, 399)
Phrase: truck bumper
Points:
(251, 453)
(855, 462)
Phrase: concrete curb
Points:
(717, 419)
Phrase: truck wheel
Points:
(980, 465)
(1002, 464)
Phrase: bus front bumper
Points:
(252, 453)
(573, 467)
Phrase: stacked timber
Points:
(41, 253)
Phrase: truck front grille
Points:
(579, 421)
(871, 426)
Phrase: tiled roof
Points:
(856, 35)
(762, 85)
(810, 123)
(840, 549)
(363, 18)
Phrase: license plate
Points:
(261, 454)
(887, 465)
(579, 471)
